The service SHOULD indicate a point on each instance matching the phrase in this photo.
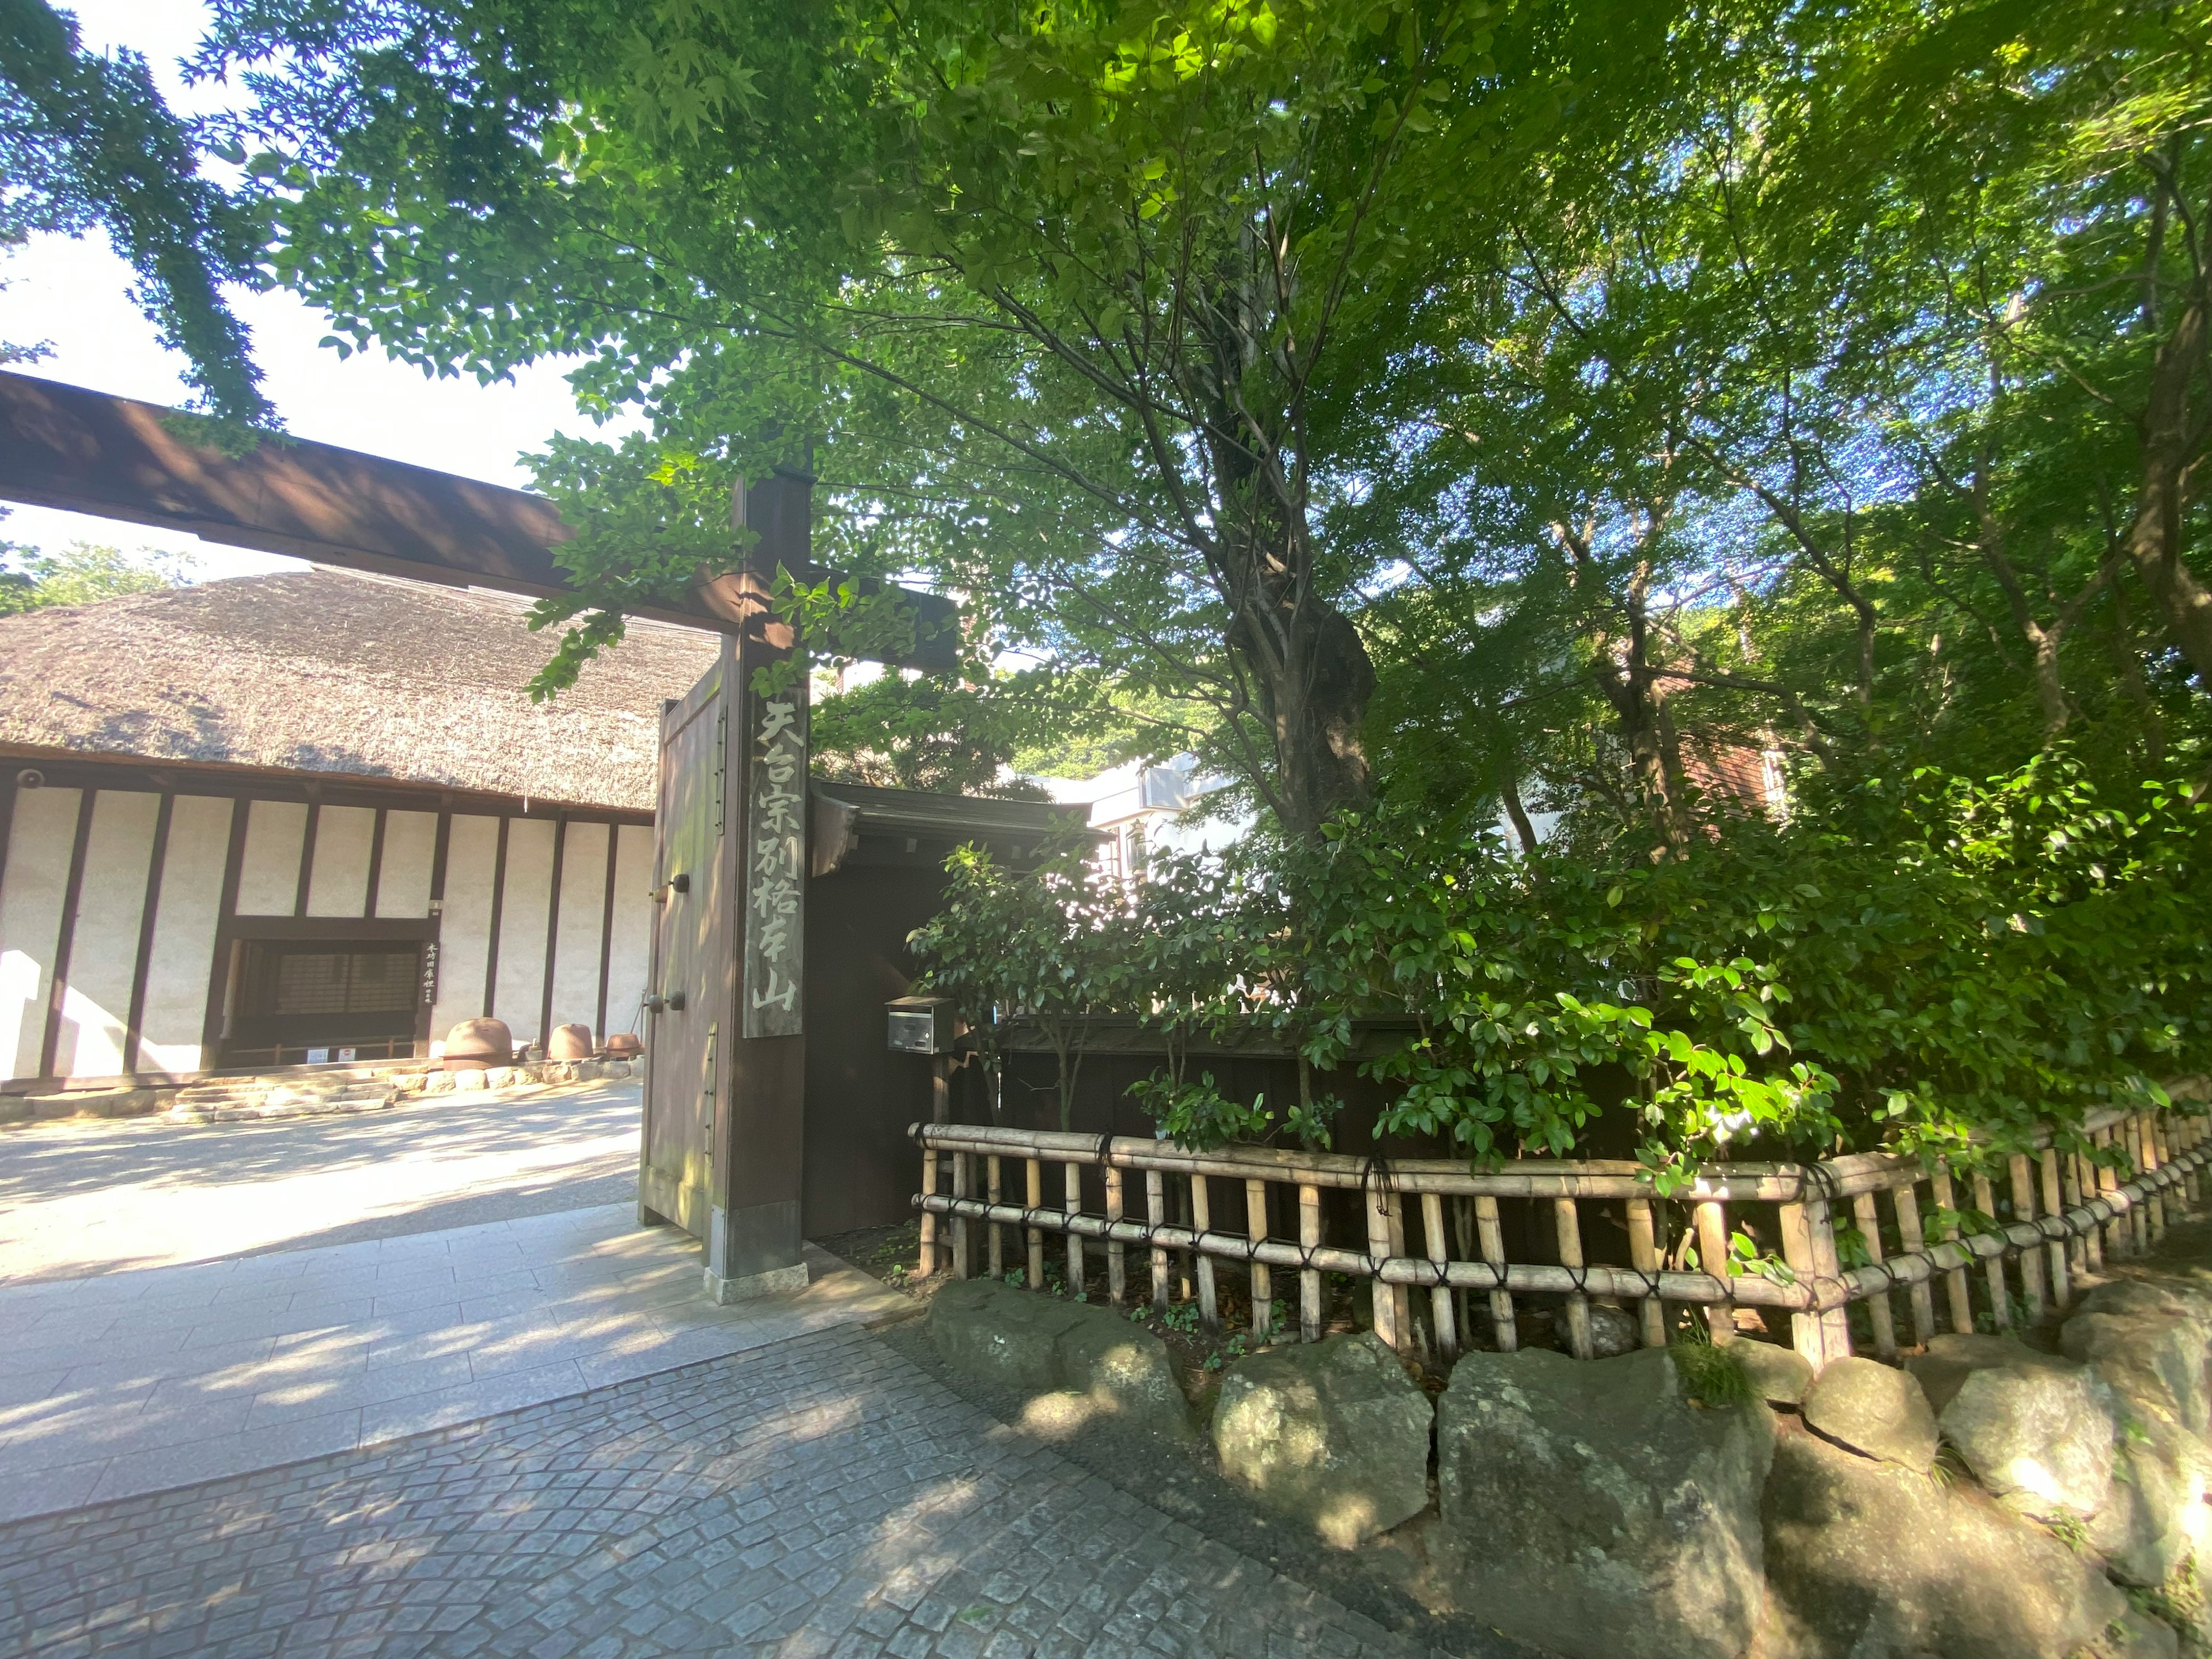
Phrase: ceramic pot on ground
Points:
(624, 1045)
(570, 1042)
(475, 1045)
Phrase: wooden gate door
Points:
(694, 941)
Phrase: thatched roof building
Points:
(426, 684)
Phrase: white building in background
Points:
(1144, 809)
(314, 816)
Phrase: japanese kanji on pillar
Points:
(774, 858)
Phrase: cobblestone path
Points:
(819, 1497)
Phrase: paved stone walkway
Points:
(818, 1497)
(130, 1381)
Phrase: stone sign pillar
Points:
(754, 1239)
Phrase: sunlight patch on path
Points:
(178, 1196)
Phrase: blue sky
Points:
(73, 293)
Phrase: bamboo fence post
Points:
(1072, 1205)
(1985, 1200)
(928, 1263)
(1401, 1295)
(1570, 1227)
(1644, 1256)
(2030, 1260)
(1201, 1220)
(996, 1245)
(1387, 1329)
(2084, 1187)
(1035, 1201)
(1310, 1310)
(1713, 1261)
(2108, 1184)
(2148, 1136)
(1503, 1324)
(2139, 1217)
(1182, 1276)
(1912, 1240)
(1462, 1215)
(1810, 1332)
(2056, 1252)
(1835, 1323)
(1117, 1253)
(1155, 1210)
(1263, 1282)
(1956, 1289)
(962, 1256)
(1440, 1296)
(1880, 1312)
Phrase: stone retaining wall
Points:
(1985, 1500)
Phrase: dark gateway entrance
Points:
(332, 1000)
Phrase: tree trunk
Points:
(1642, 732)
(1509, 791)
(1310, 670)
(2153, 535)
(2129, 663)
(1318, 707)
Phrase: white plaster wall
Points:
(269, 881)
(402, 883)
(524, 911)
(464, 933)
(185, 917)
(337, 885)
(630, 961)
(583, 918)
(31, 889)
(104, 954)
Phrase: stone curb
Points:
(155, 1103)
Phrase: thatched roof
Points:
(334, 672)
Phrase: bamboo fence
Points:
(2058, 1214)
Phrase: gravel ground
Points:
(83, 1196)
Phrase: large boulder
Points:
(1589, 1509)
(1949, 1359)
(1869, 1560)
(1081, 1364)
(1778, 1375)
(1875, 1411)
(1612, 1331)
(2157, 1519)
(2039, 1436)
(2154, 1360)
(1334, 1435)
(2168, 1296)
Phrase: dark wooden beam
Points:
(65, 769)
(84, 452)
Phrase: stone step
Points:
(271, 1097)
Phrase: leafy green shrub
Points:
(1905, 961)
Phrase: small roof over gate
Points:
(914, 826)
